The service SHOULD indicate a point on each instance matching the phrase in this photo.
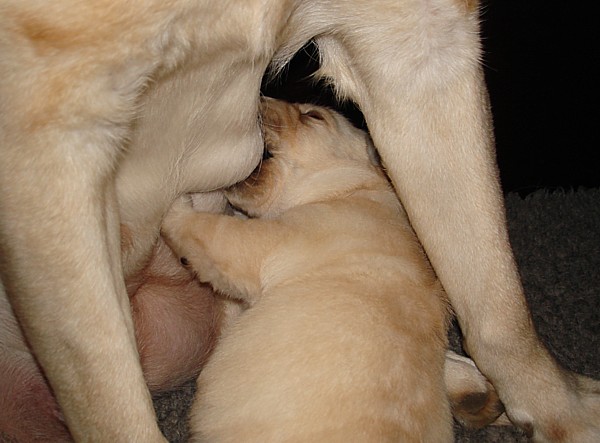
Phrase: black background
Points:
(541, 69)
(540, 65)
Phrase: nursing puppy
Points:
(345, 332)
(110, 110)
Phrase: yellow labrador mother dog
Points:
(345, 335)
(109, 110)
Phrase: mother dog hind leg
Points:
(176, 322)
(414, 71)
(66, 99)
(59, 268)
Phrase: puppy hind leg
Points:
(474, 400)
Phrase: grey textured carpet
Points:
(556, 239)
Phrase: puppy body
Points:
(344, 338)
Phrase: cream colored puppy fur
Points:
(109, 110)
(345, 335)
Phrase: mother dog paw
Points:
(567, 415)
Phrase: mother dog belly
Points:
(203, 145)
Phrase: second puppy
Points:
(345, 332)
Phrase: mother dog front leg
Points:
(59, 234)
(418, 81)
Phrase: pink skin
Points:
(177, 321)
(29, 411)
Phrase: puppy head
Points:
(311, 152)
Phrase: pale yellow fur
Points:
(111, 109)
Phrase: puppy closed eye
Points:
(312, 114)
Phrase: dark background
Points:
(540, 65)
(541, 69)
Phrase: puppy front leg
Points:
(222, 250)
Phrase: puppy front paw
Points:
(175, 228)
(181, 208)
(188, 233)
